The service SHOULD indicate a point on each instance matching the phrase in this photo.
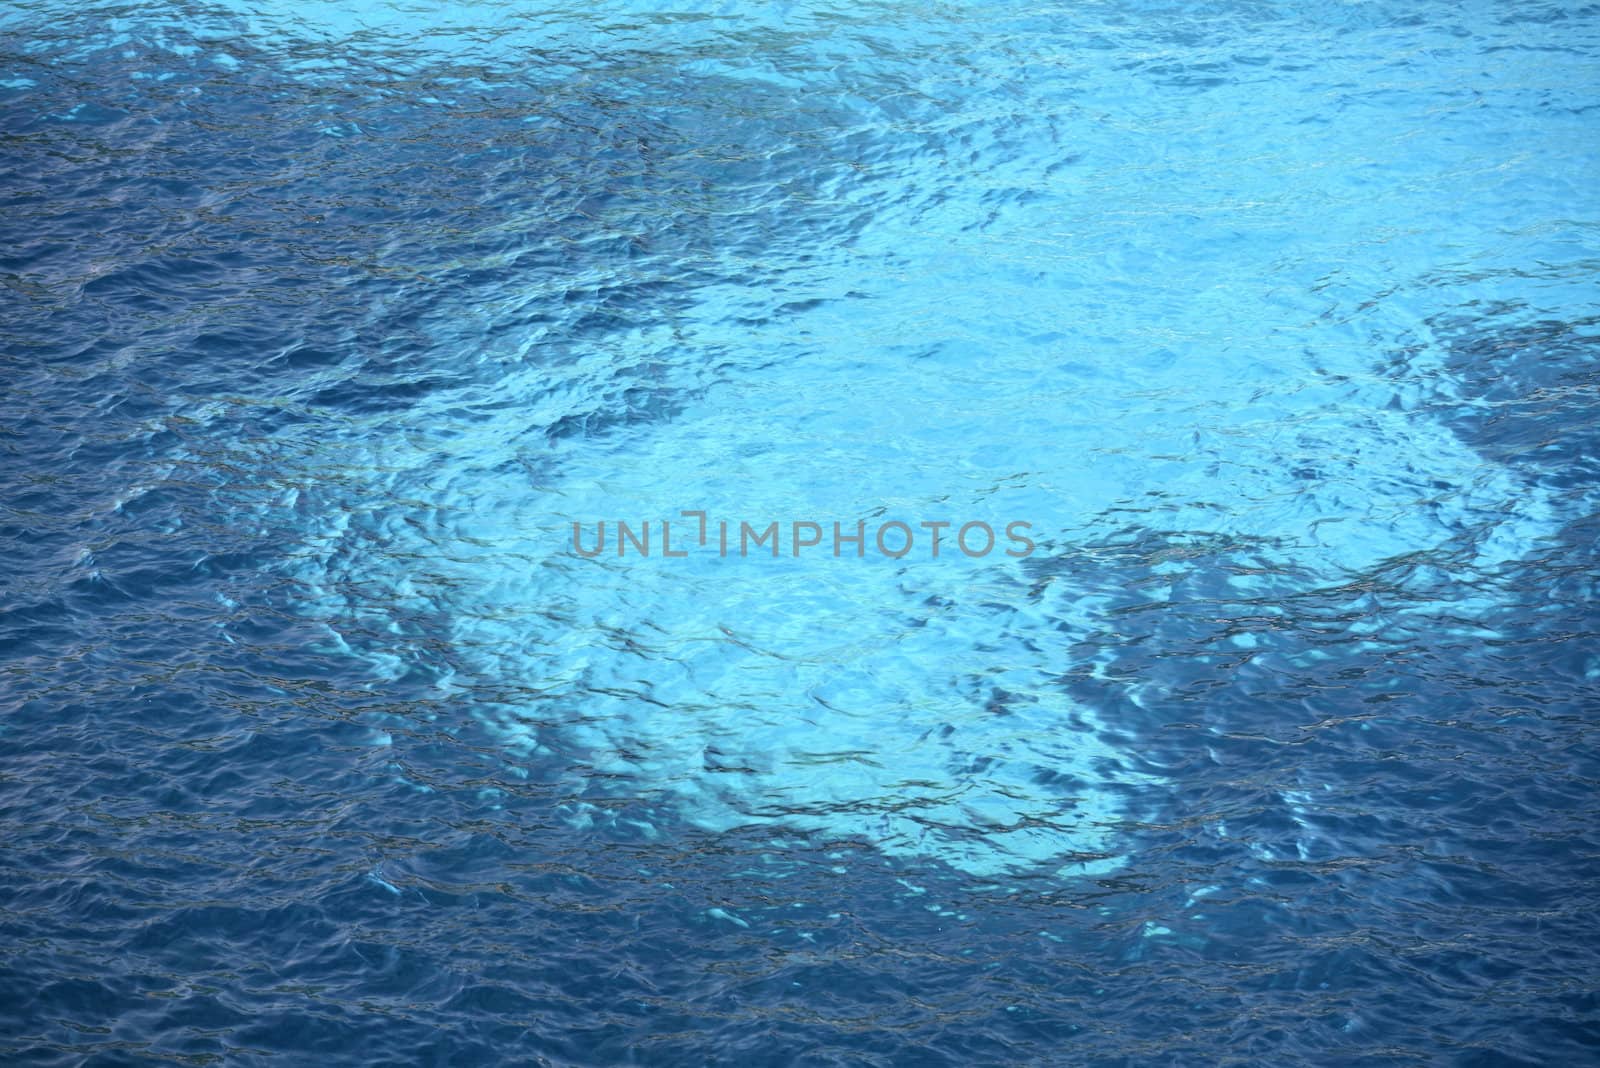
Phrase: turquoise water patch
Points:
(934, 302)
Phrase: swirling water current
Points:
(321, 325)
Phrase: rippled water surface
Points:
(322, 325)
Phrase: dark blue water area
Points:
(317, 329)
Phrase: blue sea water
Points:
(321, 325)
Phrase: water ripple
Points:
(319, 329)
